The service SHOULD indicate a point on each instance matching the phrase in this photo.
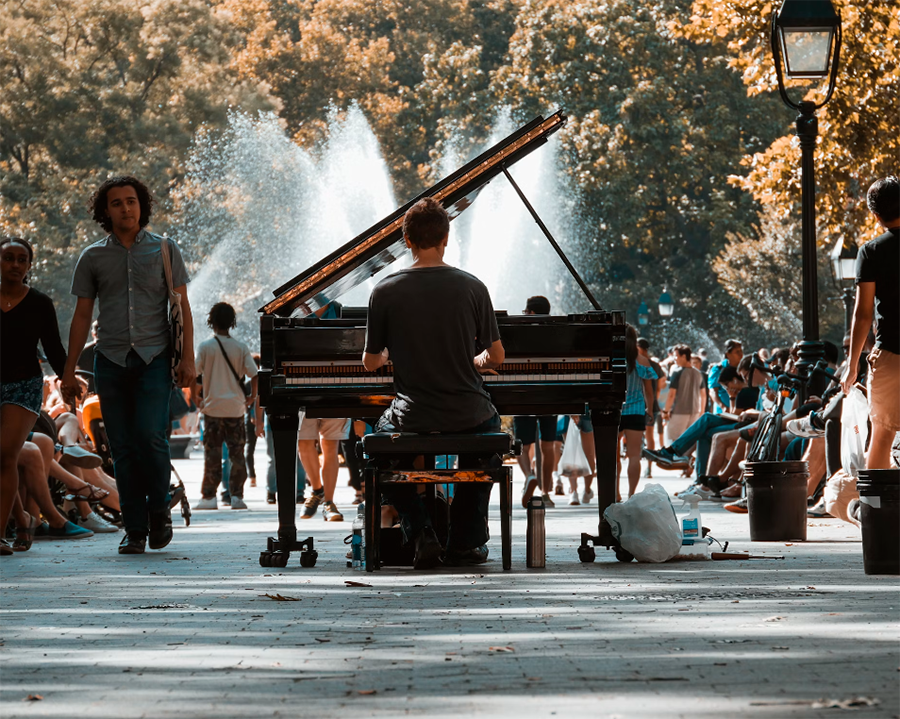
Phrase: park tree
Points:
(88, 90)
(658, 123)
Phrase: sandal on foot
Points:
(94, 494)
(25, 535)
(5, 549)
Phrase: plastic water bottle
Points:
(691, 526)
(358, 540)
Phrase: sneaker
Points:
(70, 531)
(666, 458)
(558, 489)
(270, 498)
(428, 550)
(160, 528)
(687, 490)
(818, 510)
(75, 456)
(311, 505)
(699, 490)
(207, 503)
(225, 497)
(237, 503)
(133, 543)
(548, 503)
(805, 427)
(330, 512)
(466, 557)
(647, 474)
(739, 507)
(587, 496)
(854, 508)
(97, 524)
(573, 499)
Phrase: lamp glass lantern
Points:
(843, 261)
(643, 314)
(666, 305)
(806, 30)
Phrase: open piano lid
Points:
(380, 245)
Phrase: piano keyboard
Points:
(330, 374)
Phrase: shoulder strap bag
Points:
(244, 388)
(176, 319)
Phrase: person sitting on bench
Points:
(437, 325)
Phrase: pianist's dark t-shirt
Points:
(434, 321)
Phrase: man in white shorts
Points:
(322, 476)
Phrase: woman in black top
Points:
(26, 318)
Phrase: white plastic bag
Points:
(854, 431)
(646, 525)
(574, 462)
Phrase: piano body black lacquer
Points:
(554, 364)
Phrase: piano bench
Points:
(396, 443)
(385, 451)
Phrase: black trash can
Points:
(879, 515)
(776, 500)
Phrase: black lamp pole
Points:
(801, 29)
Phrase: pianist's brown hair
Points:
(426, 223)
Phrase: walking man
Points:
(221, 361)
(878, 294)
(124, 271)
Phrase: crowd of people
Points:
(68, 470)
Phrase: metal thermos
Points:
(535, 535)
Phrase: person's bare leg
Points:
(587, 444)
(815, 457)
(17, 423)
(526, 460)
(548, 464)
(101, 479)
(68, 430)
(330, 466)
(650, 439)
(722, 446)
(879, 456)
(633, 453)
(309, 457)
(34, 475)
(732, 469)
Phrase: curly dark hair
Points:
(221, 317)
(97, 203)
(883, 198)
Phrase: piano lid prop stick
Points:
(562, 255)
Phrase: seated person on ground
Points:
(437, 325)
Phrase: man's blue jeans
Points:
(701, 432)
(134, 400)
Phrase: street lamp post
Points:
(806, 34)
(843, 271)
(666, 309)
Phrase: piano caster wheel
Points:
(586, 554)
(623, 555)
(280, 559)
(265, 559)
(308, 559)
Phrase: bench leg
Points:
(506, 519)
(373, 519)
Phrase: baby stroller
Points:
(96, 431)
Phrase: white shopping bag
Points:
(646, 525)
(574, 462)
(854, 431)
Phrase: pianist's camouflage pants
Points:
(230, 432)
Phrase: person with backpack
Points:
(221, 362)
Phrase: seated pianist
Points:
(437, 325)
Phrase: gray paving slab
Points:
(190, 632)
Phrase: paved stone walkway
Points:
(190, 631)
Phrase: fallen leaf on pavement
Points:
(33, 698)
(351, 583)
(501, 649)
(281, 597)
(367, 691)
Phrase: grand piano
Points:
(554, 364)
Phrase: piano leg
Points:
(606, 445)
(284, 426)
